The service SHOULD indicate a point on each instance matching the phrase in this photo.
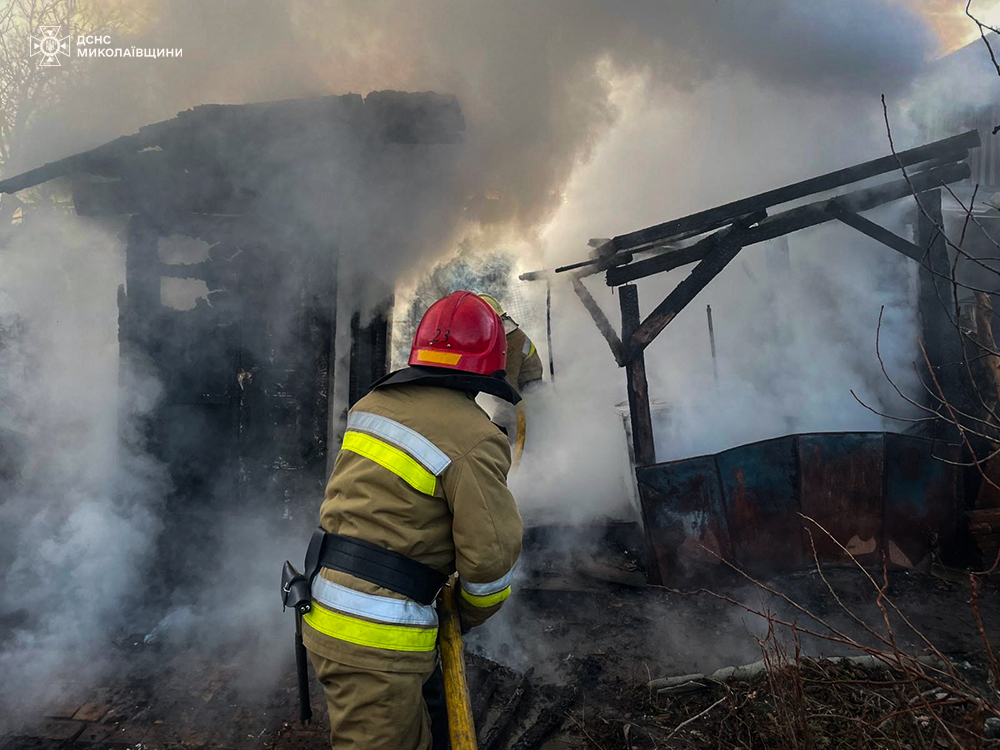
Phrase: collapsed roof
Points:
(216, 158)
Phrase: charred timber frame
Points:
(638, 387)
(600, 320)
(946, 151)
(725, 246)
(802, 217)
(743, 223)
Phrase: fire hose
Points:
(522, 429)
(461, 726)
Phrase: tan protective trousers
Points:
(371, 710)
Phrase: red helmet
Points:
(461, 332)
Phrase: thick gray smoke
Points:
(583, 119)
(795, 325)
(535, 81)
(77, 522)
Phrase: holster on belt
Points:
(359, 558)
(295, 593)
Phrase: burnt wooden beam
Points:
(96, 160)
(876, 232)
(369, 352)
(955, 147)
(643, 444)
(600, 320)
(795, 219)
(726, 245)
(583, 268)
(860, 200)
(491, 741)
(665, 262)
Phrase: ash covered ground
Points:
(567, 664)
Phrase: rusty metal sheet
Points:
(840, 486)
(922, 497)
(684, 519)
(874, 492)
(760, 494)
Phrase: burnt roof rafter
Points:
(733, 226)
(945, 151)
(794, 219)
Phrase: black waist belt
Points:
(374, 564)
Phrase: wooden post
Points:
(711, 341)
(937, 302)
(638, 389)
(548, 328)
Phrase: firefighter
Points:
(524, 369)
(524, 366)
(418, 492)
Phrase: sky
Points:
(952, 25)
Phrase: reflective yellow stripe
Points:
(364, 633)
(441, 358)
(391, 458)
(486, 601)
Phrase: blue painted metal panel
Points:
(760, 494)
(922, 497)
(684, 518)
(840, 486)
(874, 492)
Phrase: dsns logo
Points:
(49, 45)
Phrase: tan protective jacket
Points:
(423, 472)
(524, 366)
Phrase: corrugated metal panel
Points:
(872, 492)
(684, 517)
(922, 497)
(840, 485)
(760, 493)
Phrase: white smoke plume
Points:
(77, 523)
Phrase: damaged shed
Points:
(235, 218)
(897, 494)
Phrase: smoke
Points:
(536, 83)
(77, 523)
(795, 324)
(582, 119)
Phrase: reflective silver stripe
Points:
(528, 346)
(379, 608)
(485, 589)
(422, 449)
